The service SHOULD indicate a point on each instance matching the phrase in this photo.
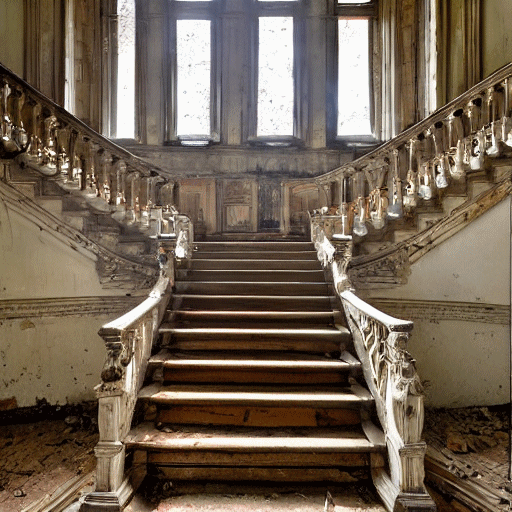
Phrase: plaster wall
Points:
(58, 359)
(43, 354)
(464, 362)
(497, 40)
(37, 264)
(12, 30)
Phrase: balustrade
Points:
(415, 168)
(45, 138)
(389, 371)
(129, 342)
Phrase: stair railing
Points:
(415, 168)
(46, 139)
(129, 341)
(389, 370)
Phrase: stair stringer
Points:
(391, 266)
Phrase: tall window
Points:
(192, 32)
(353, 78)
(193, 50)
(353, 116)
(275, 76)
(125, 126)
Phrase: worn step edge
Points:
(235, 364)
(145, 436)
(240, 331)
(253, 395)
(254, 315)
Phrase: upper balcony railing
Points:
(44, 137)
(415, 167)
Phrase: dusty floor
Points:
(38, 457)
(249, 498)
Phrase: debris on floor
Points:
(42, 458)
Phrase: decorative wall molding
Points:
(68, 306)
(436, 311)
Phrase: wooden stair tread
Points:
(146, 436)
(320, 331)
(298, 315)
(228, 362)
(251, 394)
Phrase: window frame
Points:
(277, 8)
(191, 10)
(369, 11)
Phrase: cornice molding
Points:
(433, 310)
(67, 306)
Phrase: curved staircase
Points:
(254, 378)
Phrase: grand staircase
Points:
(254, 377)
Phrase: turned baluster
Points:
(410, 199)
(437, 134)
(360, 207)
(19, 134)
(395, 206)
(104, 175)
(70, 149)
(91, 188)
(456, 146)
(8, 142)
(35, 146)
(49, 164)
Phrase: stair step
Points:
(234, 302)
(251, 288)
(207, 367)
(246, 245)
(256, 255)
(250, 275)
(299, 340)
(255, 264)
(254, 416)
(251, 440)
(305, 317)
(265, 396)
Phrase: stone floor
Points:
(38, 458)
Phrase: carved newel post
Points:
(343, 253)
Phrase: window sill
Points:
(285, 141)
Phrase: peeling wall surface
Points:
(44, 354)
(58, 359)
(464, 362)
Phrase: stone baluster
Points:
(49, 158)
(507, 120)
(36, 137)
(360, 206)
(105, 176)
(456, 146)
(9, 144)
(437, 134)
(91, 185)
(395, 210)
(410, 199)
(19, 133)
(378, 201)
(132, 197)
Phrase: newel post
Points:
(110, 450)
